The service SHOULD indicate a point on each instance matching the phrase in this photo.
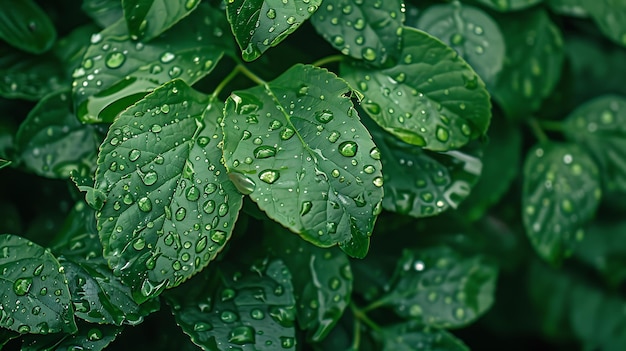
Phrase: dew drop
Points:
(149, 178)
(242, 335)
(348, 148)
(286, 133)
(21, 286)
(115, 60)
(209, 206)
(134, 155)
(442, 134)
(264, 152)
(180, 214)
(368, 54)
(375, 153)
(378, 181)
(334, 136)
(269, 176)
(145, 204)
(218, 237)
(324, 116)
(167, 57)
(306, 208)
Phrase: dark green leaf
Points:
(509, 5)
(369, 30)
(90, 337)
(431, 98)
(117, 71)
(600, 126)
(103, 12)
(24, 25)
(298, 148)
(147, 19)
(52, 142)
(414, 337)
(604, 248)
(322, 280)
(170, 208)
(471, 32)
(561, 193)
(230, 309)
(71, 48)
(35, 296)
(4, 163)
(261, 24)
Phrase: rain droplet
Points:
(149, 178)
(139, 244)
(348, 148)
(306, 208)
(145, 204)
(180, 214)
(264, 151)
(324, 116)
(115, 59)
(368, 54)
(286, 133)
(271, 13)
(38, 270)
(378, 181)
(218, 237)
(269, 176)
(228, 316)
(442, 134)
(201, 244)
(222, 210)
(257, 314)
(242, 335)
(334, 136)
(202, 326)
(167, 57)
(22, 286)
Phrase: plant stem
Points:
(374, 305)
(251, 75)
(556, 126)
(537, 131)
(362, 316)
(356, 341)
(327, 60)
(225, 82)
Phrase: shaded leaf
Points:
(91, 337)
(298, 142)
(103, 12)
(170, 208)
(412, 337)
(24, 25)
(509, 5)
(147, 19)
(431, 98)
(604, 248)
(71, 48)
(561, 192)
(369, 30)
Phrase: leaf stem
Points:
(374, 305)
(356, 341)
(537, 131)
(556, 126)
(251, 75)
(362, 316)
(225, 82)
(328, 59)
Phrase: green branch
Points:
(537, 130)
(328, 59)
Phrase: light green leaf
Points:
(369, 30)
(561, 192)
(532, 68)
(297, 146)
(413, 337)
(24, 25)
(509, 5)
(471, 32)
(261, 24)
(4, 163)
(600, 126)
(231, 309)
(170, 208)
(431, 98)
(147, 19)
(35, 296)
(322, 283)
(90, 337)
(52, 142)
(117, 71)
(103, 12)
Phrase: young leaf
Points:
(117, 71)
(24, 25)
(52, 142)
(231, 309)
(103, 12)
(322, 285)
(91, 337)
(297, 146)
(471, 32)
(146, 20)
(561, 192)
(170, 208)
(261, 24)
(431, 98)
(413, 337)
(35, 296)
(598, 125)
(509, 5)
(369, 30)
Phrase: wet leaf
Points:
(35, 296)
(297, 147)
(52, 142)
(261, 24)
(91, 337)
(253, 309)
(170, 208)
(369, 30)
(24, 25)
(509, 5)
(147, 19)
(561, 192)
(103, 12)
(413, 337)
(117, 71)
(431, 98)
(322, 283)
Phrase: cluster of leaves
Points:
(214, 170)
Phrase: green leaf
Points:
(297, 147)
(4, 163)
(471, 32)
(170, 208)
(604, 248)
(230, 309)
(117, 71)
(103, 12)
(71, 48)
(431, 98)
(88, 337)
(52, 142)
(441, 288)
(35, 298)
(24, 25)
(147, 19)
(598, 125)
(509, 5)
(261, 24)
(369, 30)
(414, 337)
(322, 285)
(532, 68)
(561, 192)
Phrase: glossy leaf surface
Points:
(170, 208)
(92, 337)
(509, 5)
(147, 19)
(431, 98)
(413, 337)
(24, 25)
(103, 12)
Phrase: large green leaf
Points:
(297, 146)
(147, 19)
(52, 142)
(471, 32)
(600, 126)
(561, 193)
(24, 25)
(322, 283)
(90, 337)
(261, 24)
(431, 98)
(509, 5)
(103, 12)
(414, 337)
(170, 208)
(117, 71)
(231, 309)
(369, 30)
(35, 296)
